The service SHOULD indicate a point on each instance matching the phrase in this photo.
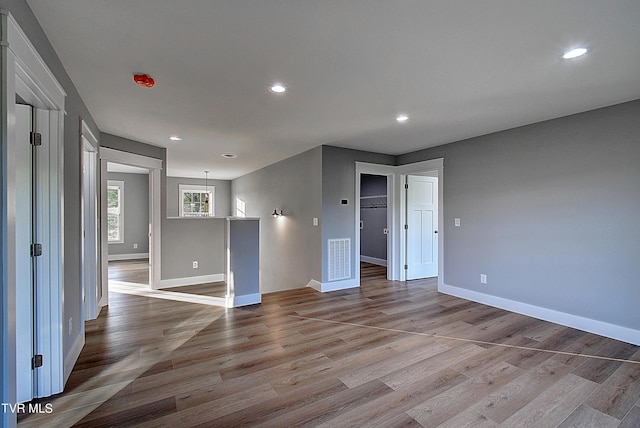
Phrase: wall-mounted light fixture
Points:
(276, 213)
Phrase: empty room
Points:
(303, 213)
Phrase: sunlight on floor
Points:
(137, 290)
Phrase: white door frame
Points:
(25, 73)
(393, 269)
(155, 167)
(396, 214)
(89, 221)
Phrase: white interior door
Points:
(24, 284)
(422, 226)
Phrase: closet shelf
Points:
(369, 202)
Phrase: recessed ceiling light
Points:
(229, 155)
(575, 53)
(278, 88)
(175, 138)
(402, 118)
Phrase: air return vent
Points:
(339, 259)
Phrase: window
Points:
(240, 208)
(115, 211)
(196, 201)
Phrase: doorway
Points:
(142, 165)
(128, 219)
(374, 226)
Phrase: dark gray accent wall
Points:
(549, 212)
(136, 214)
(373, 241)
(289, 246)
(222, 195)
(75, 110)
(196, 239)
(338, 182)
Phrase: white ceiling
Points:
(459, 68)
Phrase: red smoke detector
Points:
(144, 80)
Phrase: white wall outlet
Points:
(456, 222)
(483, 278)
(135, 246)
(195, 264)
(70, 325)
(315, 221)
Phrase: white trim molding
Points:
(373, 260)
(325, 287)
(132, 256)
(72, 357)
(586, 324)
(26, 74)
(244, 300)
(190, 280)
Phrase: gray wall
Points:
(136, 214)
(75, 110)
(222, 195)
(549, 212)
(338, 182)
(289, 246)
(183, 240)
(193, 239)
(244, 257)
(373, 241)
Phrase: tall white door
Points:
(422, 226)
(24, 283)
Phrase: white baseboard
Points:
(132, 256)
(324, 287)
(373, 260)
(613, 331)
(245, 300)
(73, 355)
(190, 280)
(315, 285)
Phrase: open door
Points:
(422, 226)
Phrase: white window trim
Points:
(182, 188)
(120, 185)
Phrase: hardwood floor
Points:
(135, 272)
(387, 354)
(132, 271)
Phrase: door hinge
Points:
(406, 186)
(36, 250)
(36, 361)
(406, 227)
(406, 267)
(36, 139)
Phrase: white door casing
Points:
(422, 227)
(155, 167)
(25, 74)
(91, 287)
